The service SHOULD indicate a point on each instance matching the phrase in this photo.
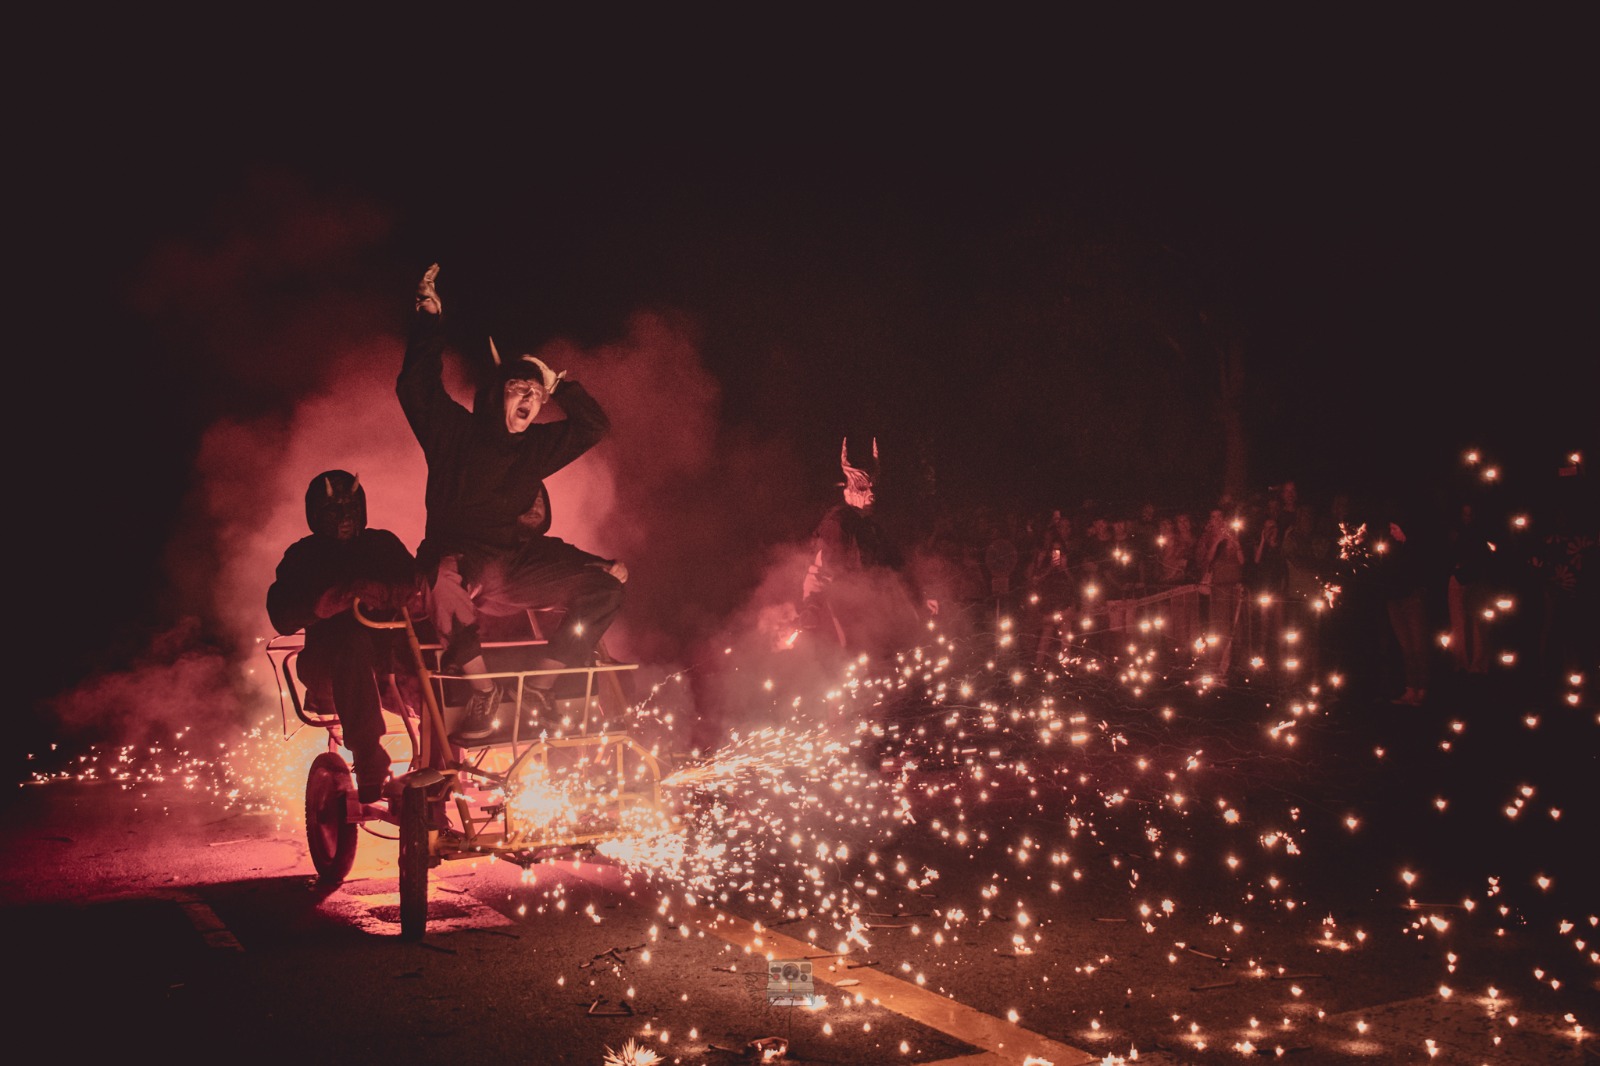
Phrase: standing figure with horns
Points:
(487, 543)
(855, 595)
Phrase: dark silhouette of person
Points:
(1053, 590)
(345, 665)
(856, 595)
(1405, 575)
(1224, 562)
(1469, 588)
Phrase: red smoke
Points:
(295, 351)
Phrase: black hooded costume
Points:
(344, 663)
(856, 593)
(488, 513)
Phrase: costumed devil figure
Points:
(487, 545)
(856, 595)
(348, 669)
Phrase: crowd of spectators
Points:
(1280, 580)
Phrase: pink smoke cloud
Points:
(179, 683)
(302, 349)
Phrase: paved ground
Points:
(982, 862)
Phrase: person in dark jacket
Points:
(344, 663)
(1405, 569)
(487, 547)
(856, 594)
(1469, 587)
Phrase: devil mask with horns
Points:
(336, 505)
(858, 491)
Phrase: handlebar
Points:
(373, 623)
(431, 737)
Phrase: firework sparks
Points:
(843, 812)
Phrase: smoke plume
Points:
(293, 349)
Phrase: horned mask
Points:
(335, 498)
(857, 482)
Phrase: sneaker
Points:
(477, 718)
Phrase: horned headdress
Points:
(331, 496)
(857, 482)
(524, 366)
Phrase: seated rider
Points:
(344, 664)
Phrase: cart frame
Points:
(454, 800)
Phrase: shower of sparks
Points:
(835, 804)
(632, 1053)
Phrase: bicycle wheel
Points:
(330, 835)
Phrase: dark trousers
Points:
(340, 667)
(1408, 616)
(550, 574)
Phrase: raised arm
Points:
(420, 387)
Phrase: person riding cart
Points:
(487, 548)
(347, 667)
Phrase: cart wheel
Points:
(414, 863)
(329, 833)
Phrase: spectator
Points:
(1224, 577)
(1288, 497)
(1269, 576)
(1178, 575)
(1146, 553)
(1468, 591)
(1307, 555)
(1403, 574)
(1563, 571)
(1055, 594)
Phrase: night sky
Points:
(1013, 250)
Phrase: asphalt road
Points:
(981, 863)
